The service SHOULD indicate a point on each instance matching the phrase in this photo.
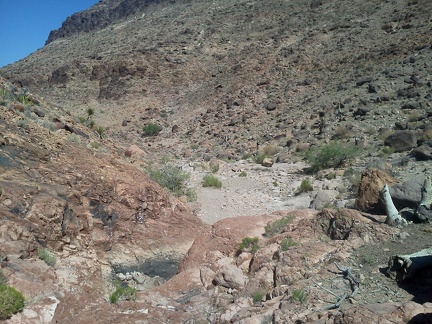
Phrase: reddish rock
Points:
(372, 182)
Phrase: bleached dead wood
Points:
(424, 210)
(393, 217)
(401, 267)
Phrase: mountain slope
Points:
(236, 73)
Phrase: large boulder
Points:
(408, 193)
(401, 141)
(372, 181)
(422, 153)
(230, 276)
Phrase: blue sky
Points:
(25, 24)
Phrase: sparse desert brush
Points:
(278, 226)
(95, 145)
(387, 150)
(171, 177)
(384, 133)
(100, 131)
(122, 293)
(257, 296)
(269, 150)
(260, 158)
(426, 135)
(305, 186)
(151, 129)
(11, 301)
(249, 244)
(211, 181)
(46, 256)
(299, 295)
(287, 243)
(331, 155)
(21, 123)
(342, 132)
(3, 279)
(413, 116)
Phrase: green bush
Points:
(100, 131)
(299, 296)
(249, 243)
(214, 167)
(11, 301)
(305, 186)
(277, 226)
(122, 293)
(211, 181)
(260, 158)
(257, 296)
(171, 177)
(286, 243)
(243, 174)
(331, 155)
(46, 255)
(151, 129)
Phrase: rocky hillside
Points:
(229, 77)
(217, 89)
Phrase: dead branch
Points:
(402, 267)
(393, 217)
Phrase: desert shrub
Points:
(90, 112)
(413, 116)
(286, 243)
(191, 194)
(171, 177)
(342, 132)
(353, 177)
(100, 131)
(47, 124)
(249, 243)
(257, 296)
(47, 256)
(269, 150)
(92, 124)
(122, 293)
(260, 158)
(4, 92)
(366, 258)
(331, 155)
(214, 167)
(23, 98)
(21, 123)
(95, 145)
(299, 295)
(211, 181)
(243, 174)
(277, 226)
(387, 150)
(151, 129)
(11, 301)
(73, 138)
(246, 156)
(305, 186)
(81, 119)
(3, 279)
(331, 176)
